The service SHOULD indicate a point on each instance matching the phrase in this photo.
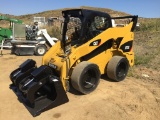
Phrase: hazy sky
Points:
(143, 8)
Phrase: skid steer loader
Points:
(90, 46)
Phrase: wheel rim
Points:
(41, 50)
(121, 70)
(89, 79)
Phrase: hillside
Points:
(28, 18)
(57, 13)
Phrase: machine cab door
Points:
(81, 26)
(96, 25)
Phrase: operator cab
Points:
(81, 25)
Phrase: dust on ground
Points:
(135, 98)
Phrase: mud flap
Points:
(40, 91)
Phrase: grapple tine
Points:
(23, 71)
(40, 90)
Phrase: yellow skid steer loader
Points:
(91, 45)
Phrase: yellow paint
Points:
(56, 56)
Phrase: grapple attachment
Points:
(37, 88)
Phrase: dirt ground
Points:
(135, 98)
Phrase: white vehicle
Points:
(37, 44)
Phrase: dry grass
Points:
(147, 55)
(147, 49)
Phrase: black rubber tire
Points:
(85, 77)
(40, 50)
(117, 68)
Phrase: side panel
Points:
(103, 58)
(100, 56)
(126, 46)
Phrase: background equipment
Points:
(6, 30)
(30, 41)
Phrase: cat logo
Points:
(127, 47)
(95, 43)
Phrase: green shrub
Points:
(143, 60)
(149, 25)
(57, 32)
